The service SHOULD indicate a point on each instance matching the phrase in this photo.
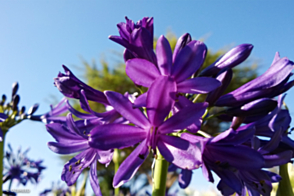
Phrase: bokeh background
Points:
(37, 37)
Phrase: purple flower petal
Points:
(62, 134)
(254, 108)
(77, 113)
(180, 152)
(112, 136)
(273, 143)
(130, 165)
(277, 159)
(232, 137)
(269, 84)
(229, 178)
(160, 99)
(141, 71)
(189, 60)
(94, 179)
(229, 60)
(142, 42)
(119, 40)
(183, 118)
(200, 85)
(72, 127)
(225, 189)
(104, 157)
(225, 78)
(181, 43)
(73, 168)
(229, 154)
(185, 178)
(123, 106)
(61, 148)
(141, 101)
(206, 171)
(164, 56)
(69, 85)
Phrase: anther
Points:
(78, 162)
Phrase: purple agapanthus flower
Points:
(71, 138)
(221, 154)
(136, 38)
(275, 124)
(20, 168)
(70, 86)
(270, 84)
(151, 132)
(186, 62)
(257, 182)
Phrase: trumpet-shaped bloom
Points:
(70, 86)
(270, 84)
(186, 62)
(221, 154)
(136, 38)
(71, 138)
(151, 132)
(257, 182)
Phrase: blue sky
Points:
(37, 37)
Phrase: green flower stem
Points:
(160, 173)
(116, 166)
(284, 187)
(2, 159)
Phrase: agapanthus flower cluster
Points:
(11, 114)
(168, 117)
(18, 167)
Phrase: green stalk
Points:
(160, 173)
(284, 187)
(1, 159)
(116, 166)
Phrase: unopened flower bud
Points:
(22, 110)
(3, 99)
(15, 101)
(33, 109)
(14, 88)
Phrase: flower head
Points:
(21, 168)
(136, 38)
(151, 132)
